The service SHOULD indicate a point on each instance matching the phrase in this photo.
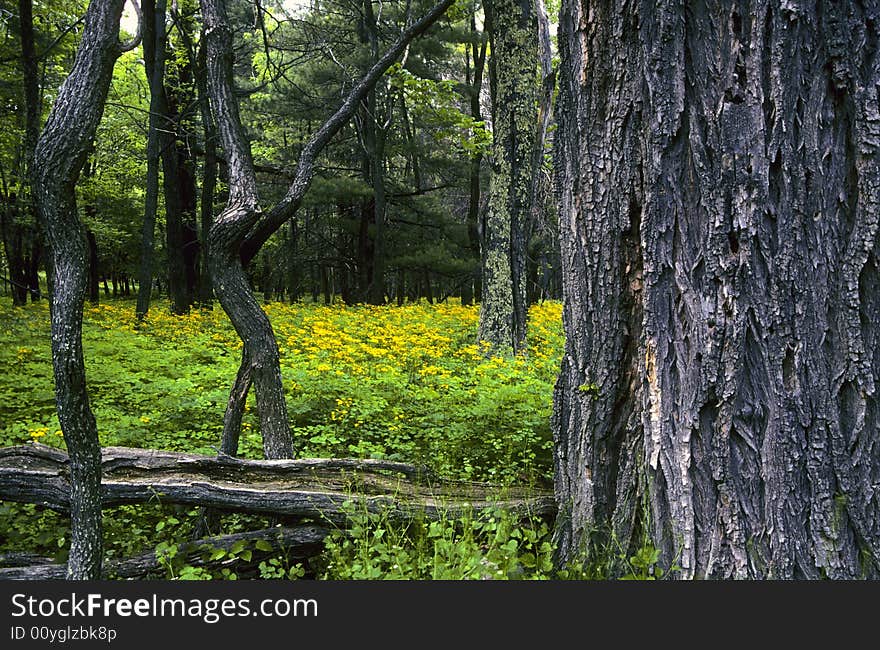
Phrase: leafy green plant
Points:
(469, 547)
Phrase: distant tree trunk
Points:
(33, 267)
(94, 271)
(154, 65)
(375, 125)
(513, 75)
(60, 154)
(539, 232)
(32, 133)
(182, 238)
(472, 288)
(209, 174)
(13, 249)
(174, 221)
(325, 285)
(293, 288)
(719, 206)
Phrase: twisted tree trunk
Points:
(260, 363)
(241, 229)
(719, 205)
(60, 154)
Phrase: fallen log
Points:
(316, 488)
(19, 559)
(297, 542)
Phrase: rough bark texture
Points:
(60, 154)
(719, 189)
(513, 74)
(231, 285)
(309, 487)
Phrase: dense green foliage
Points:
(406, 383)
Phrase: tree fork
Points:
(241, 229)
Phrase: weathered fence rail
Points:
(315, 489)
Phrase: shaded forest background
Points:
(423, 147)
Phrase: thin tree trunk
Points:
(209, 173)
(374, 141)
(60, 154)
(154, 65)
(539, 231)
(719, 207)
(13, 248)
(33, 107)
(94, 275)
(473, 289)
(293, 288)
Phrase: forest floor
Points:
(403, 383)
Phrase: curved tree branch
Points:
(275, 218)
(135, 40)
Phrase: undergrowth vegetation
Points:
(404, 383)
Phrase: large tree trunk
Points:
(719, 204)
(60, 154)
(513, 74)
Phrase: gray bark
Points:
(231, 285)
(60, 154)
(513, 75)
(312, 487)
(241, 229)
(719, 189)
